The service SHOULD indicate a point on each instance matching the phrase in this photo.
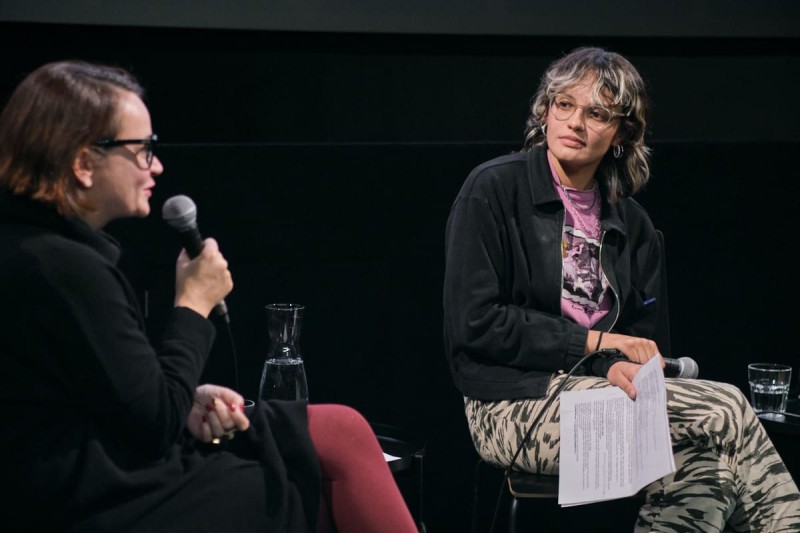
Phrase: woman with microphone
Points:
(103, 431)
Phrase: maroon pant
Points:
(359, 493)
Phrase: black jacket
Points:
(93, 436)
(504, 333)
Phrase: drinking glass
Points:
(284, 375)
(769, 388)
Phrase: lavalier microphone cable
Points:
(533, 424)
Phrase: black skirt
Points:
(266, 479)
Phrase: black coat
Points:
(94, 427)
(504, 333)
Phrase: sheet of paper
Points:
(612, 446)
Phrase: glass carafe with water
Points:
(284, 376)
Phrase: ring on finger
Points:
(228, 435)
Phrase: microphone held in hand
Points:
(180, 213)
(684, 367)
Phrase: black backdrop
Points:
(325, 164)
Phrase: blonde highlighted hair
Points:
(618, 85)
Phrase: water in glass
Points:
(284, 375)
(769, 388)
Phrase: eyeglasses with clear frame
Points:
(596, 117)
(144, 155)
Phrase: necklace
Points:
(576, 206)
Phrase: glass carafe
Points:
(284, 376)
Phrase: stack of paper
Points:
(612, 446)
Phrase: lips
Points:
(572, 142)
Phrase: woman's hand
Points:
(637, 349)
(202, 282)
(621, 374)
(216, 412)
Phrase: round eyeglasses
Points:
(144, 155)
(596, 117)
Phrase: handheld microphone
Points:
(180, 213)
(684, 367)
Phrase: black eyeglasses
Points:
(144, 156)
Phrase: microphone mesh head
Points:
(689, 369)
(179, 212)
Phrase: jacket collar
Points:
(543, 192)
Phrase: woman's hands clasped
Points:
(217, 412)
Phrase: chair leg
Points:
(512, 514)
(476, 486)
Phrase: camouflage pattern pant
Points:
(729, 476)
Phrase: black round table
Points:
(790, 425)
(785, 435)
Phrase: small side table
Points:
(785, 435)
(790, 425)
(409, 449)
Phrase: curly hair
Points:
(617, 83)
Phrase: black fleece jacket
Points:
(504, 333)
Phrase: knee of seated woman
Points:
(341, 419)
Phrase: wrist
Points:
(599, 341)
(197, 307)
(594, 340)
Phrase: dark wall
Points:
(676, 18)
(325, 164)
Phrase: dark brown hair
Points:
(57, 110)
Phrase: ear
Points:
(619, 137)
(83, 167)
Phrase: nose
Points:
(156, 168)
(577, 120)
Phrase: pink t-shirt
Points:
(585, 297)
